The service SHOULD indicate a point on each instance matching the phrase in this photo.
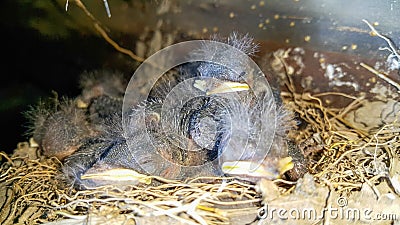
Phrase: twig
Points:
(104, 2)
(391, 48)
(107, 8)
(115, 45)
(382, 76)
(190, 209)
(103, 33)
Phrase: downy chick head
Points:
(58, 127)
(254, 143)
(101, 83)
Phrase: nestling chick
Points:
(84, 130)
(258, 146)
(59, 127)
(232, 124)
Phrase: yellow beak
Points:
(118, 175)
(271, 171)
(225, 87)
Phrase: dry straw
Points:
(340, 156)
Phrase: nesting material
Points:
(344, 161)
(34, 194)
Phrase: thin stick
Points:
(103, 33)
(105, 2)
(107, 8)
(382, 76)
(388, 41)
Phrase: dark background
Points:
(34, 65)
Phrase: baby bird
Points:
(82, 131)
(215, 123)
(58, 127)
(256, 126)
(232, 125)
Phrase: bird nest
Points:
(343, 161)
(351, 165)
